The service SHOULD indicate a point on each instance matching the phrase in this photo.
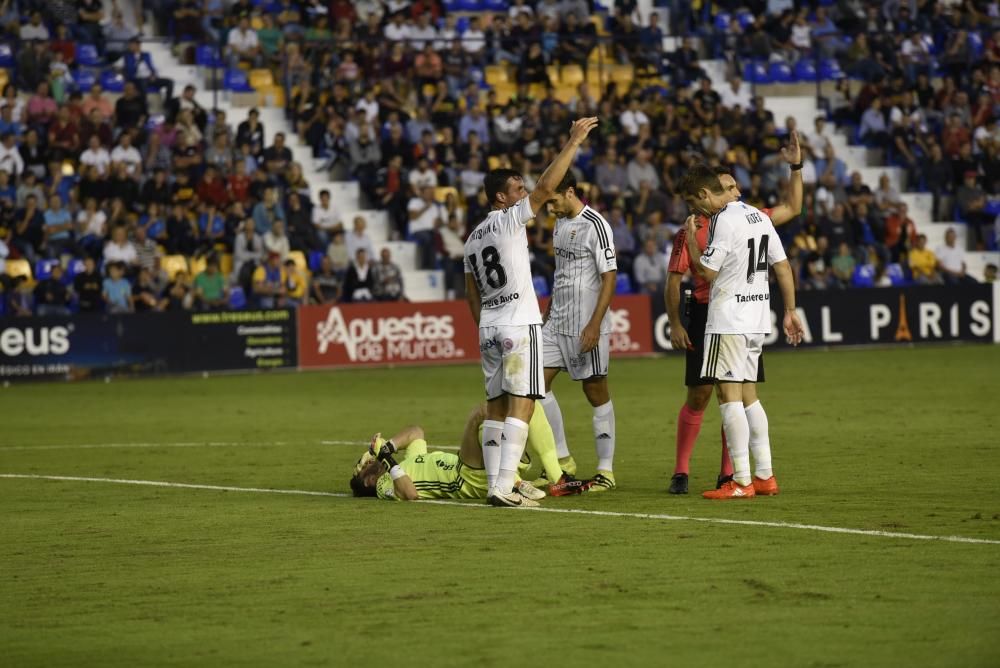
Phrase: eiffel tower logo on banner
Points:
(903, 330)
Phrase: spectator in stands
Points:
(179, 295)
(117, 34)
(248, 253)
(35, 29)
(145, 294)
(296, 286)
(900, 232)
(358, 237)
(990, 273)
(359, 284)
(130, 109)
(242, 45)
(611, 176)
(640, 170)
(650, 269)
(269, 282)
(275, 240)
(387, 279)
(818, 273)
(874, 130)
(325, 284)
(139, 68)
(971, 201)
(88, 287)
(33, 65)
(951, 261)
(365, 160)
(116, 290)
(338, 253)
(923, 263)
(268, 211)
(51, 296)
(21, 300)
(58, 229)
(426, 216)
(251, 131)
(120, 250)
(843, 265)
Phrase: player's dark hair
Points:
(359, 488)
(722, 170)
(568, 181)
(701, 176)
(496, 181)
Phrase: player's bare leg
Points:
(764, 482)
(469, 450)
(597, 393)
(554, 414)
(734, 420)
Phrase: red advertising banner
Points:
(428, 333)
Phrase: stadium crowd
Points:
(416, 101)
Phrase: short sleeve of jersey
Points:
(384, 489)
(718, 245)
(680, 260)
(467, 265)
(603, 248)
(775, 251)
(520, 213)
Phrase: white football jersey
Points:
(496, 254)
(742, 244)
(584, 250)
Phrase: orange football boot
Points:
(767, 487)
(730, 490)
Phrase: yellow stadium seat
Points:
(598, 24)
(565, 94)
(4, 77)
(300, 261)
(226, 263)
(173, 264)
(496, 74)
(271, 96)
(622, 74)
(505, 91)
(261, 78)
(256, 22)
(441, 193)
(493, 162)
(19, 268)
(198, 264)
(571, 75)
(553, 72)
(537, 90)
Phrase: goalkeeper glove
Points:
(383, 451)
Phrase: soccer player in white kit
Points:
(502, 299)
(742, 244)
(577, 331)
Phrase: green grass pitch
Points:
(900, 440)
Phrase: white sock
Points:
(734, 421)
(492, 430)
(554, 416)
(604, 436)
(515, 435)
(760, 441)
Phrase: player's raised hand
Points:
(679, 338)
(794, 330)
(581, 128)
(792, 153)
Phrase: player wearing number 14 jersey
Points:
(504, 306)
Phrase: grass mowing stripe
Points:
(206, 444)
(573, 511)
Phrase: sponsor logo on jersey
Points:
(609, 254)
(508, 344)
(565, 254)
(747, 299)
(501, 300)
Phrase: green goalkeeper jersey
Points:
(436, 475)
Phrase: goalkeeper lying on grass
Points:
(441, 475)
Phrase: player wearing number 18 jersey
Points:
(504, 306)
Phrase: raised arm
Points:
(554, 173)
(785, 212)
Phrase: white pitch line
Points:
(205, 444)
(570, 511)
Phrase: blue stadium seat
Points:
(85, 80)
(87, 55)
(43, 269)
(541, 287)
(829, 70)
(112, 82)
(722, 20)
(756, 72)
(155, 121)
(623, 286)
(75, 267)
(315, 260)
(236, 81)
(6, 55)
(495, 5)
(780, 72)
(895, 273)
(805, 70)
(975, 45)
(864, 276)
(207, 56)
(237, 299)
(462, 24)
(745, 17)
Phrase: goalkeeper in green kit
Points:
(402, 469)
